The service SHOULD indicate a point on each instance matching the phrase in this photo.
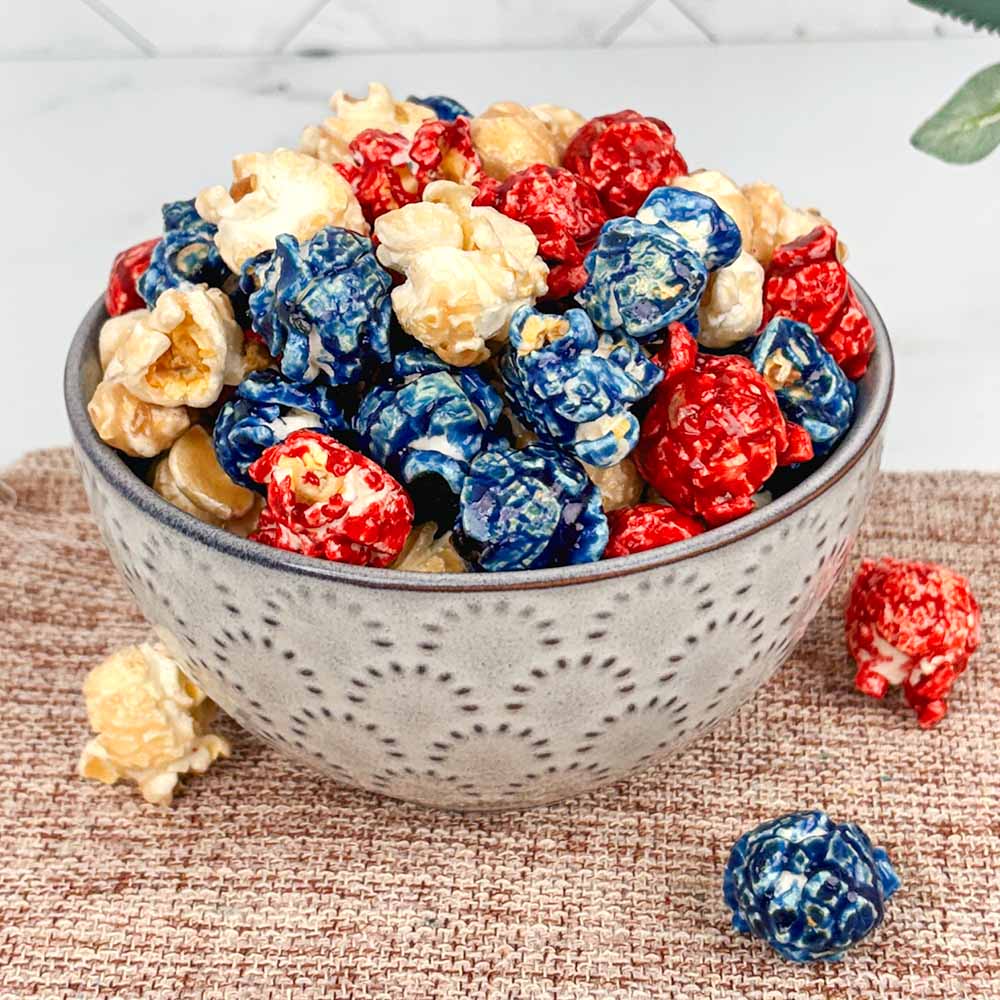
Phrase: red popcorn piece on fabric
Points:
(911, 623)
(624, 156)
(714, 435)
(647, 526)
(327, 501)
(565, 214)
(122, 295)
(807, 282)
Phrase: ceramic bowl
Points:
(483, 691)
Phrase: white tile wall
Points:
(100, 28)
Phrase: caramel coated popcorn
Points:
(776, 223)
(139, 429)
(620, 485)
(425, 553)
(509, 137)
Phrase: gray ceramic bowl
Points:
(483, 691)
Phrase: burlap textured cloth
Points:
(267, 881)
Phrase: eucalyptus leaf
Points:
(983, 14)
(967, 127)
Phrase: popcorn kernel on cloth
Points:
(274, 194)
(139, 429)
(641, 278)
(713, 435)
(529, 509)
(624, 156)
(327, 501)
(265, 410)
(619, 485)
(732, 307)
(776, 223)
(122, 293)
(915, 624)
(647, 526)
(812, 391)
(807, 282)
(509, 137)
(467, 269)
(151, 723)
(698, 219)
(183, 351)
(424, 552)
(573, 387)
(809, 887)
(322, 305)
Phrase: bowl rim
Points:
(875, 396)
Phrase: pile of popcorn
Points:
(440, 341)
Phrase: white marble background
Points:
(97, 135)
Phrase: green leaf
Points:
(967, 127)
(983, 14)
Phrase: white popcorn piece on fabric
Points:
(733, 304)
(151, 723)
(725, 192)
(276, 193)
(139, 429)
(776, 223)
(467, 268)
(194, 471)
(509, 137)
(423, 553)
(562, 123)
(114, 332)
(620, 484)
(183, 352)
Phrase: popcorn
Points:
(379, 173)
(641, 278)
(266, 409)
(713, 435)
(620, 485)
(562, 123)
(377, 109)
(809, 887)
(914, 624)
(698, 220)
(805, 281)
(183, 352)
(509, 137)
(468, 268)
(572, 387)
(812, 390)
(426, 420)
(114, 332)
(725, 192)
(527, 510)
(323, 306)
(447, 109)
(273, 194)
(424, 552)
(624, 156)
(140, 430)
(327, 501)
(151, 723)
(775, 223)
(732, 307)
(122, 294)
(647, 526)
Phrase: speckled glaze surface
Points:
(483, 691)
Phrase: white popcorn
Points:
(733, 304)
(726, 194)
(276, 193)
(468, 268)
(139, 429)
(183, 352)
(562, 123)
(114, 332)
(423, 553)
(776, 223)
(509, 137)
(620, 485)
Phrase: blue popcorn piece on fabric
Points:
(186, 254)
(446, 108)
(323, 307)
(529, 509)
(573, 387)
(698, 220)
(807, 886)
(428, 418)
(812, 389)
(640, 278)
(264, 411)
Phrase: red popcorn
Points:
(914, 624)
(679, 351)
(647, 526)
(122, 295)
(565, 214)
(624, 156)
(714, 434)
(327, 501)
(443, 151)
(380, 176)
(807, 282)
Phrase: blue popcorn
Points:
(322, 306)
(812, 389)
(446, 108)
(428, 419)
(807, 886)
(698, 220)
(573, 387)
(264, 411)
(640, 278)
(529, 509)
